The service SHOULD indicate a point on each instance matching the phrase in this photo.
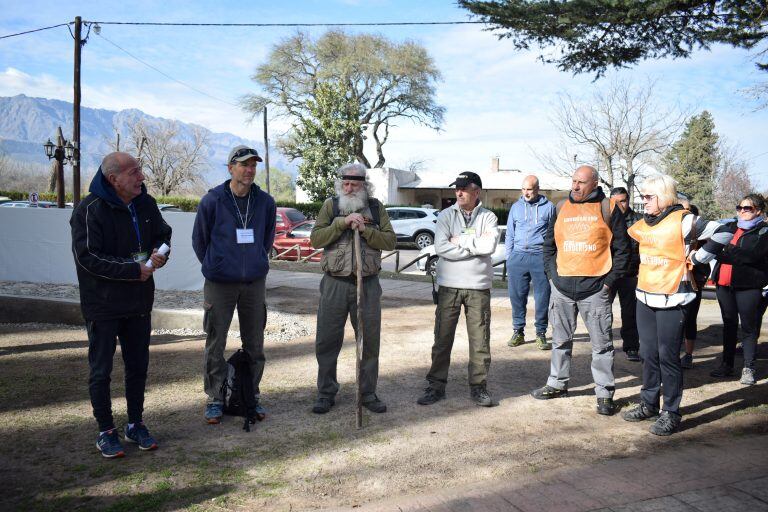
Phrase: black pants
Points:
(691, 329)
(661, 333)
(133, 333)
(625, 288)
(744, 305)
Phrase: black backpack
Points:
(237, 389)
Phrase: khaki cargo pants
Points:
(477, 309)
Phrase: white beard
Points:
(351, 203)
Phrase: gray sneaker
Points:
(686, 361)
(748, 377)
(542, 343)
(517, 339)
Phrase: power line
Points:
(370, 24)
(36, 30)
(164, 73)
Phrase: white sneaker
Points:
(748, 377)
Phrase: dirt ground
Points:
(296, 460)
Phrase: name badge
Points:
(140, 257)
(468, 231)
(244, 236)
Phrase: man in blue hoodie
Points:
(115, 231)
(233, 234)
(526, 227)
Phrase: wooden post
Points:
(76, 114)
(266, 150)
(360, 328)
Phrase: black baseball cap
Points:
(465, 178)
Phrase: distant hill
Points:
(26, 123)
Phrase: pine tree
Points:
(693, 161)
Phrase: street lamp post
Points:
(62, 152)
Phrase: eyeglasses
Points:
(745, 209)
(647, 197)
(241, 153)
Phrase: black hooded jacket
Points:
(579, 288)
(104, 239)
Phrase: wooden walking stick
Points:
(359, 330)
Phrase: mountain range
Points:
(26, 123)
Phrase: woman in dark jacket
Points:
(740, 274)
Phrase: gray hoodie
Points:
(467, 262)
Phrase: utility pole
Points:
(76, 113)
(266, 149)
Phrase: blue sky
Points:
(498, 100)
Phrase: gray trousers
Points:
(477, 309)
(597, 316)
(221, 299)
(338, 300)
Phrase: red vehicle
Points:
(299, 235)
(287, 218)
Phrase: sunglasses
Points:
(746, 209)
(243, 152)
(647, 197)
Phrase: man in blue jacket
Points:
(526, 227)
(232, 237)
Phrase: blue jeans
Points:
(522, 268)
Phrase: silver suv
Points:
(413, 225)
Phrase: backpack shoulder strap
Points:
(373, 205)
(335, 208)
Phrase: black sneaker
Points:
(430, 396)
(642, 412)
(686, 362)
(481, 396)
(667, 424)
(548, 392)
(373, 404)
(722, 371)
(632, 355)
(323, 405)
(605, 406)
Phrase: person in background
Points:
(740, 273)
(626, 286)
(526, 227)
(700, 276)
(665, 291)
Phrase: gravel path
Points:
(281, 326)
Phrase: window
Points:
(393, 214)
(295, 215)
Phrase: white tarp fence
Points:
(36, 246)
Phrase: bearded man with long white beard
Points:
(353, 208)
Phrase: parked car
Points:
(4, 199)
(429, 264)
(27, 204)
(413, 225)
(287, 218)
(163, 207)
(299, 235)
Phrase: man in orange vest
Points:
(586, 250)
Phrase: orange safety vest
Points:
(583, 240)
(662, 254)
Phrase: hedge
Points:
(189, 204)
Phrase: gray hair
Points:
(114, 163)
(354, 169)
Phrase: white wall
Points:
(36, 246)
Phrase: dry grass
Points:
(296, 460)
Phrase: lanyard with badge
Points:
(244, 235)
(139, 256)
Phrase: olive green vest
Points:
(339, 257)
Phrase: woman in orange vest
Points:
(740, 274)
(665, 290)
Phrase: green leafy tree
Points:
(594, 35)
(324, 138)
(281, 184)
(694, 161)
(387, 81)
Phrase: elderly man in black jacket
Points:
(116, 230)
